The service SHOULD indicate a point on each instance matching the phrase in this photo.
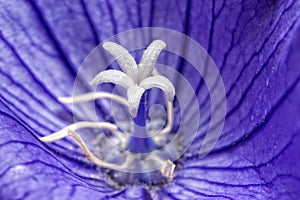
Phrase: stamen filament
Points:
(78, 125)
(170, 110)
(92, 96)
(170, 118)
(92, 157)
(167, 170)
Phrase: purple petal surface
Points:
(255, 44)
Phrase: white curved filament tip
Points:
(160, 82)
(149, 58)
(112, 76)
(170, 117)
(123, 57)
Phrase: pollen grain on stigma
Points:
(136, 79)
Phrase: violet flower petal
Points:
(255, 45)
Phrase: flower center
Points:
(140, 158)
(149, 164)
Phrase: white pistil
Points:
(135, 79)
